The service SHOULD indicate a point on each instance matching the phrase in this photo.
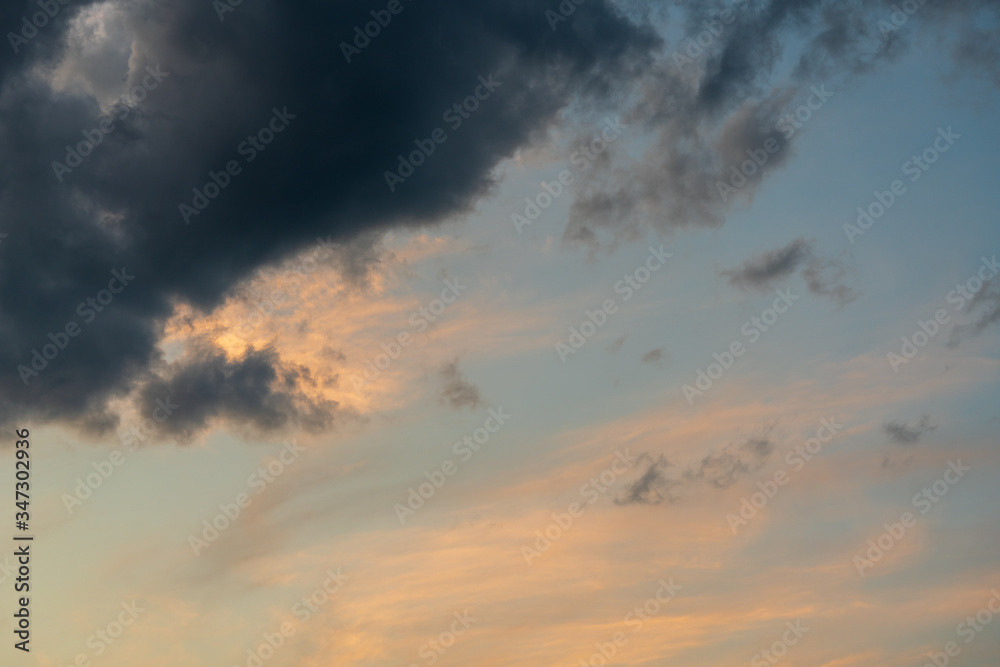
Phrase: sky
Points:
(501, 333)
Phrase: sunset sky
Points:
(512, 332)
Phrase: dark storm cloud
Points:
(822, 276)
(700, 118)
(456, 390)
(321, 175)
(906, 434)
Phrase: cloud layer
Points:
(225, 88)
(206, 136)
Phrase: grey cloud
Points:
(723, 468)
(457, 391)
(720, 470)
(985, 307)
(652, 487)
(652, 356)
(697, 119)
(760, 271)
(257, 392)
(906, 434)
(823, 276)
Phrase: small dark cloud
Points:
(652, 356)
(760, 271)
(720, 470)
(652, 487)
(987, 303)
(458, 392)
(907, 434)
(723, 468)
(823, 276)
(257, 393)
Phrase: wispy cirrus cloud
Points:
(823, 277)
(760, 271)
(985, 306)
